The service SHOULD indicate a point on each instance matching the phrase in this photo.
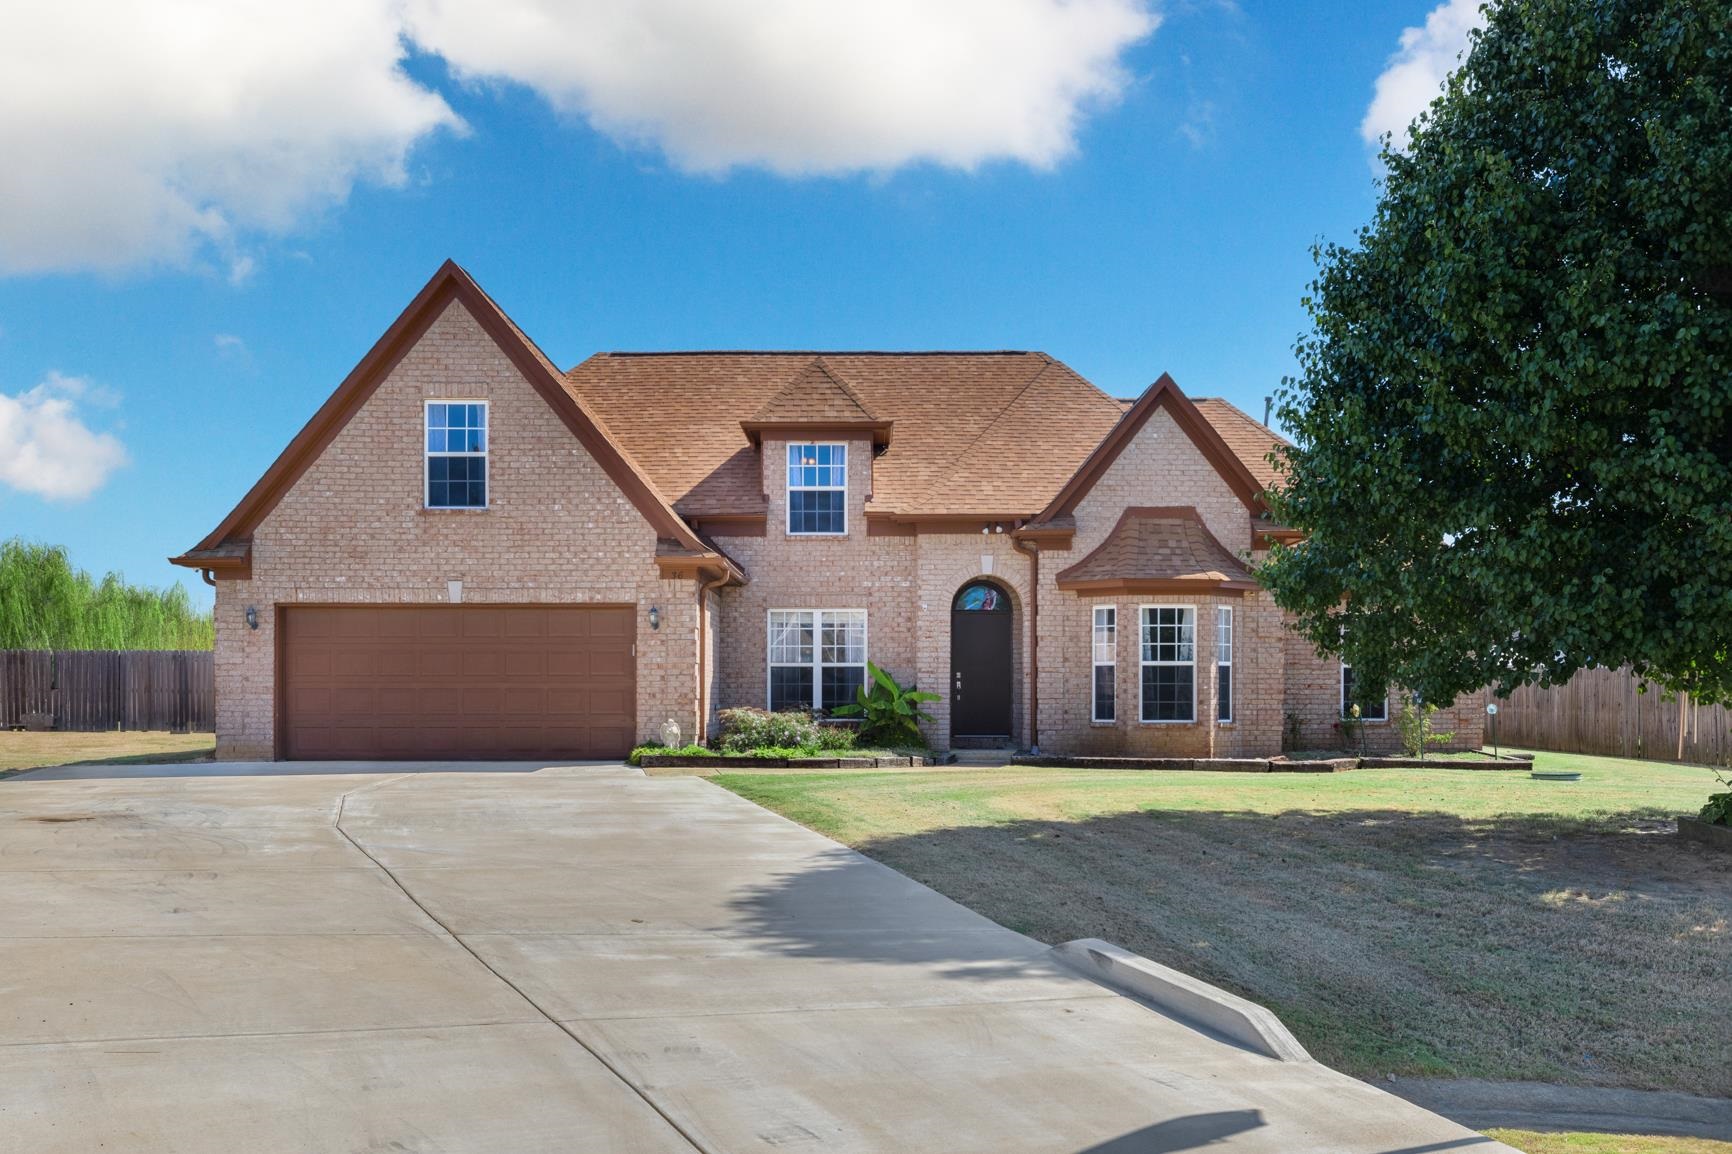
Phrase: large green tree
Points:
(1513, 416)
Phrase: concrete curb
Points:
(1184, 997)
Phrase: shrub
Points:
(889, 714)
(1718, 811)
(657, 748)
(834, 738)
(744, 730)
(1414, 721)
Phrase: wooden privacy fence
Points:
(1602, 711)
(93, 689)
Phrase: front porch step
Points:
(999, 756)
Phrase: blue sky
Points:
(1164, 225)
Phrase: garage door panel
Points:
(457, 681)
(477, 662)
(527, 663)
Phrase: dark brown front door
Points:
(457, 681)
(980, 668)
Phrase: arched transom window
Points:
(982, 597)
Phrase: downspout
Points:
(704, 589)
(1031, 550)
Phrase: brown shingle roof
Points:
(996, 433)
(1152, 549)
(977, 433)
(1251, 440)
(816, 395)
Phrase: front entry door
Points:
(980, 666)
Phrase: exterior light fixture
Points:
(655, 616)
(252, 616)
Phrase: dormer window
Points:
(456, 454)
(817, 490)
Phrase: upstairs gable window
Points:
(817, 490)
(456, 455)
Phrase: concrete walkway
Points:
(575, 959)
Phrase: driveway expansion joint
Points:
(563, 1027)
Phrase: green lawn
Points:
(1535, 1143)
(1445, 922)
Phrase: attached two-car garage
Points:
(456, 681)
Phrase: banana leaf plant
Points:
(890, 715)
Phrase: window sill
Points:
(440, 510)
(843, 533)
(1104, 724)
(1147, 722)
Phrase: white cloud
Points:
(162, 132)
(183, 131)
(47, 449)
(1414, 76)
(803, 87)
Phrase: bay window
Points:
(1169, 663)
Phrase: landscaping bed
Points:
(1709, 834)
(722, 762)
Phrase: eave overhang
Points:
(878, 431)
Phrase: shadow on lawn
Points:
(1392, 943)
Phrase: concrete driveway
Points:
(576, 960)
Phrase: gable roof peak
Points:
(1164, 393)
(815, 393)
(816, 399)
(451, 284)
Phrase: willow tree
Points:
(1513, 415)
(45, 603)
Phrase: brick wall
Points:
(1313, 697)
(1161, 466)
(352, 529)
(905, 584)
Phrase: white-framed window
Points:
(818, 490)
(456, 455)
(817, 657)
(1376, 711)
(1169, 663)
(1106, 664)
(1223, 663)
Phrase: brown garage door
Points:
(457, 681)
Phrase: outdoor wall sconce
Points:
(655, 617)
(252, 617)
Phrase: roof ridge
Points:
(820, 353)
(961, 456)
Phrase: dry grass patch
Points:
(1436, 922)
(20, 751)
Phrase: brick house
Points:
(469, 553)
